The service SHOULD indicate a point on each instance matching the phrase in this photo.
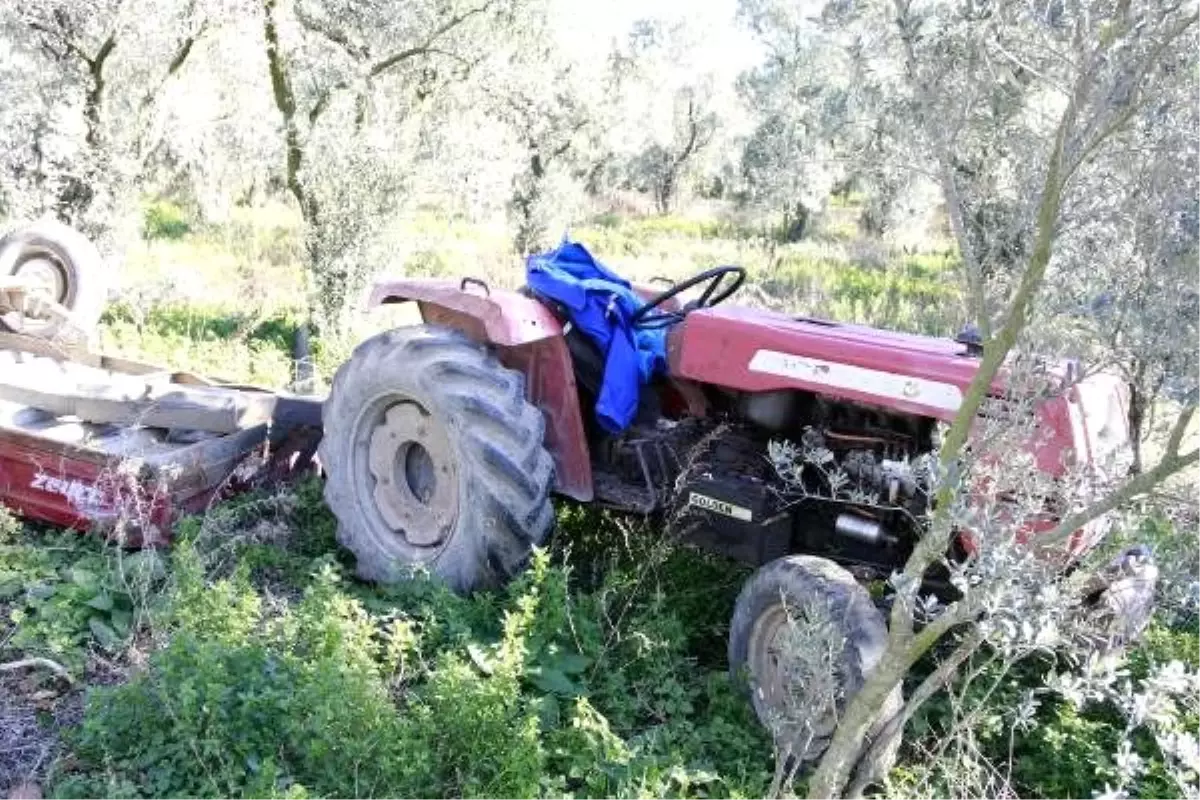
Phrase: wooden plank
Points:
(61, 350)
(205, 465)
(94, 395)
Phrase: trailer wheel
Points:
(67, 264)
(435, 460)
(803, 639)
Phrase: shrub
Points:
(163, 219)
(63, 593)
(543, 689)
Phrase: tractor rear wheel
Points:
(804, 638)
(435, 460)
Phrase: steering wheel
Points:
(718, 290)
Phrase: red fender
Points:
(527, 338)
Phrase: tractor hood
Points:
(752, 350)
(760, 351)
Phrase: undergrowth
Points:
(283, 677)
(63, 594)
(1006, 731)
(255, 665)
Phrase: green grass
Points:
(268, 672)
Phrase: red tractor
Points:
(444, 444)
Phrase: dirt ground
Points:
(32, 719)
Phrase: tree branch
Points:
(1093, 141)
(932, 684)
(62, 38)
(1176, 436)
(45, 663)
(106, 48)
(185, 50)
(176, 64)
(427, 46)
(1171, 463)
(95, 95)
(333, 34)
(323, 101)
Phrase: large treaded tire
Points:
(82, 274)
(492, 436)
(807, 582)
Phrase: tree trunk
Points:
(903, 648)
(977, 305)
(1137, 416)
(666, 192)
(285, 102)
(75, 197)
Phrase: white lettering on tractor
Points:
(876, 382)
(81, 495)
(719, 506)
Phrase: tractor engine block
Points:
(884, 471)
(854, 491)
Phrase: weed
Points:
(164, 220)
(412, 691)
(64, 593)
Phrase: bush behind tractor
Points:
(445, 444)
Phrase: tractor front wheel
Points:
(804, 638)
(435, 460)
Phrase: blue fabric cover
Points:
(600, 303)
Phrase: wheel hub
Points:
(411, 461)
(44, 272)
(794, 692)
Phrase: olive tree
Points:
(681, 107)
(1095, 102)
(549, 103)
(356, 86)
(1137, 302)
(83, 88)
(801, 145)
(664, 165)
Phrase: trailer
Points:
(94, 442)
(89, 441)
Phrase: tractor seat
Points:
(587, 363)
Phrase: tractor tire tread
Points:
(802, 579)
(505, 472)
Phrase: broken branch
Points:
(45, 663)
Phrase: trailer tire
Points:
(68, 262)
(435, 460)
(805, 589)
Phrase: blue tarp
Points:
(600, 303)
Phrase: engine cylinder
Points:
(861, 529)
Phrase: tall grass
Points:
(227, 298)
